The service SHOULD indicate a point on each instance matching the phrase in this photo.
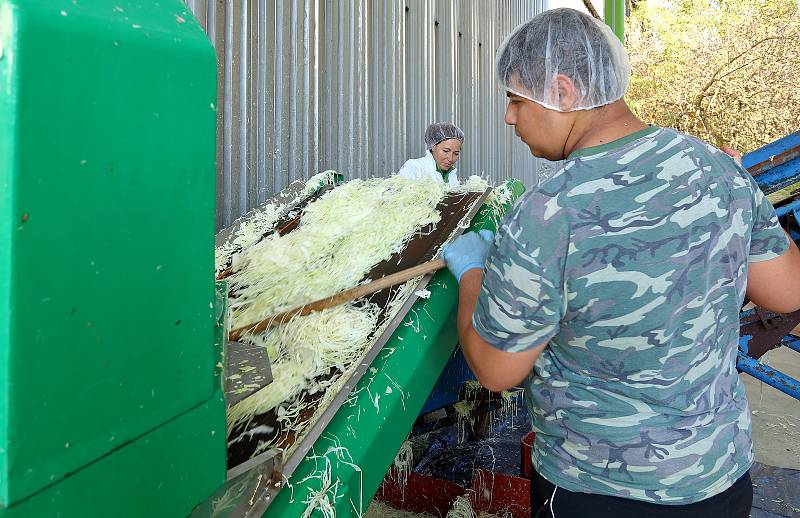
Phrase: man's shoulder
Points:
(667, 142)
(537, 209)
(663, 155)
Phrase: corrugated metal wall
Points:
(351, 85)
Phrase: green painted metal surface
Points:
(161, 475)
(358, 446)
(8, 88)
(614, 14)
(107, 180)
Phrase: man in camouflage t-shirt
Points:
(614, 290)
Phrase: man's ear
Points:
(567, 93)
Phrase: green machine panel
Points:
(107, 203)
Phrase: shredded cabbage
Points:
(341, 236)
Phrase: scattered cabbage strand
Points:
(324, 499)
(464, 418)
(402, 465)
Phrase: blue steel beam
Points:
(764, 155)
(792, 343)
(775, 165)
(765, 373)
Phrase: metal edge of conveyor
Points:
(248, 493)
(316, 430)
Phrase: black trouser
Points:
(734, 502)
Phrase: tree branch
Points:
(591, 9)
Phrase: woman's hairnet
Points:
(569, 42)
(439, 131)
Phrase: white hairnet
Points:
(569, 42)
(439, 131)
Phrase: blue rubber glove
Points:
(467, 252)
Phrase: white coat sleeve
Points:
(409, 170)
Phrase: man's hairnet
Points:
(439, 131)
(569, 42)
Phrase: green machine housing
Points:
(110, 398)
(111, 335)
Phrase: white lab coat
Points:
(425, 167)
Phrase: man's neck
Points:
(601, 126)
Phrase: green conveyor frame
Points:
(363, 438)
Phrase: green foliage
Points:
(726, 71)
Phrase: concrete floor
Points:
(776, 416)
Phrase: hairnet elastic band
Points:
(549, 107)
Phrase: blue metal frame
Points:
(448, 387)
(770, 178)
(765, 373)
(786, 169)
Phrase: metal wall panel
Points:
(351, 85)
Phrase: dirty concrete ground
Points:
(776, 416)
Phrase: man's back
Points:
(635, 264)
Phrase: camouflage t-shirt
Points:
(632, 262)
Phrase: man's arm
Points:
(774, 284)
(496, 370)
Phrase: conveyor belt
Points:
(422, 247)
(360, 441)
(456, 211)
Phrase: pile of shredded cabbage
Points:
(340, 238)
(262, 221)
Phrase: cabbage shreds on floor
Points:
(462, 508)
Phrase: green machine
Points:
(110, 399)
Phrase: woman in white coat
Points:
(443, 141)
